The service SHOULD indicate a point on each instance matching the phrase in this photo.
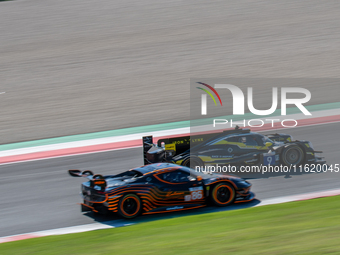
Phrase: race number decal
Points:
(269, 159)
(196, 193)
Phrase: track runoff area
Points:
(131, 138)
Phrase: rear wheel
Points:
(192, 162)
(223, 194)
(129, 206)
(292, 155)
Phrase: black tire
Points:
(223, 194)
(130, 206)
(293, 155)
(192, 162)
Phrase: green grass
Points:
(306, 227)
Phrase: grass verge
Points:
(305, 227)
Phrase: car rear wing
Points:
(164, 150)
(147, 145)
(95, 179)
(77, 173)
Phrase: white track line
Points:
(70, 155)
(62, 231)
(112, 224)
(131, 137)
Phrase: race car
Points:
(234, 147)
(157, 188)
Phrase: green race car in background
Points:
(235, 147)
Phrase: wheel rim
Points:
(293, 156)
(223, 194)
(192, 163)
(130, 206)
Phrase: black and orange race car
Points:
(157, 188)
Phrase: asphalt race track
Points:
(81, 66)
(40, 195)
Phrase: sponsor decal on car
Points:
(196, 193)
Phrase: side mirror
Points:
(268, 144)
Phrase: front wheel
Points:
(223, 194)
(129, 206)
(193, 162)
(293, 155)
